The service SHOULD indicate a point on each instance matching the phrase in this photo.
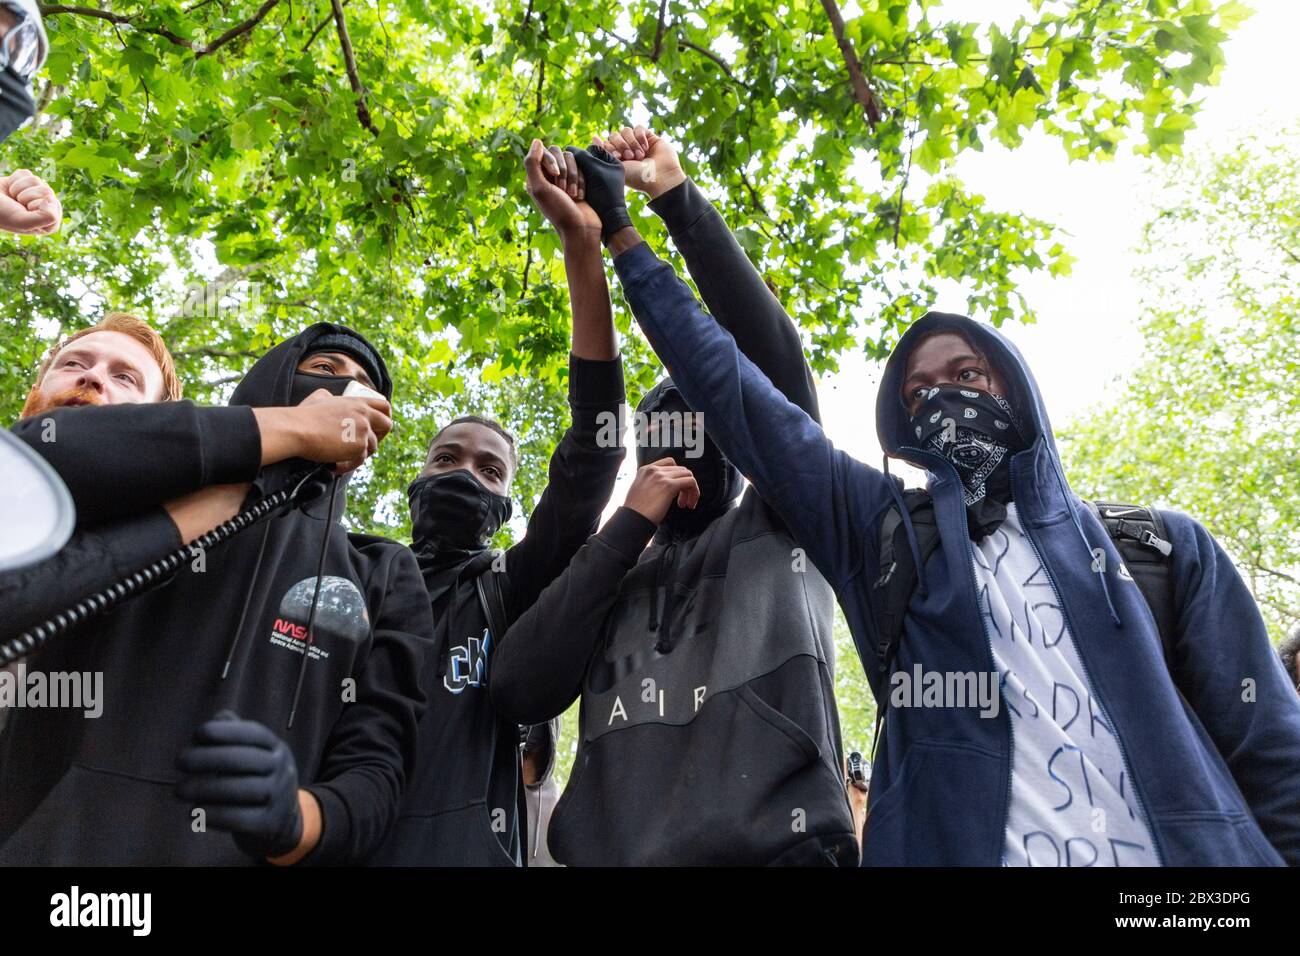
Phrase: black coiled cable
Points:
(28, 641)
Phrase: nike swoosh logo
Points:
(1126, 511)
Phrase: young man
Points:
(1097, 754)
(704, 662)
(266, 691)
(122, 361)
(462, 806)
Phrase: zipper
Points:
(1087, 678)
(988, 643)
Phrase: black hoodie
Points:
(462, 803)
(101, 791)
(704, 663)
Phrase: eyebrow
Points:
(456, 446)
(964, 357)
(85, 356)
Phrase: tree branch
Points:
(862, 91)
(237, 31)
(1277, 574)
(53, 10)
(659, 32)
(722, 65)
(119, 19)
(217, 353)
(319, 27)
(350, 62)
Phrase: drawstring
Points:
(248, 600)
(921, 585)
(315, 598)
(665, 645)
(653, 623)
(294, 500)
(1078, 526)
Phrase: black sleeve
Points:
(538, 668)
(92, 560)
(735, 294)
(372, 746)
(582, 472)
(119, 460)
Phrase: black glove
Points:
(604, 176)
(245, 779)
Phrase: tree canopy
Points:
(234, 170)
(1209, 421)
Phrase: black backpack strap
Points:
(1139, 535)
(898, 571)
(493, 601)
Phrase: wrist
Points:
(279, 436)
(310, 811)
(622, 240)
(656, 187)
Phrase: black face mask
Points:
(718, 479)
(454, 512)
(16, 103)
(304, 383)
(978, 434)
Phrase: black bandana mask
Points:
(454, 512)
(305, 383)
(16, 103)
(978, 434)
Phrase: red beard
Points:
(38, 402)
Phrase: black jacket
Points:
(721, 743)
(461, 805)
(80, 791)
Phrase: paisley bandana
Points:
(978, 433)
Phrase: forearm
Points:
(593, 318)
(828, 501)
(91, 561)
(196, 514)
(539, 664)
(119, 460)
(735, 294)
(581, 476)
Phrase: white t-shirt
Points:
(1072, 802)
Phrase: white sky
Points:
(1086, 334)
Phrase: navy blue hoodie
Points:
(1215, 759)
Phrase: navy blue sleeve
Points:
(830, 502)
(1228, 670)
(735, 294)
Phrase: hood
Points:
(892, 418)
(270, 379)
(721, 482)
(892, 421)
(268, 383)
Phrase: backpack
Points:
(1138, 534)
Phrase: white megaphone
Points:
(36, 511)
